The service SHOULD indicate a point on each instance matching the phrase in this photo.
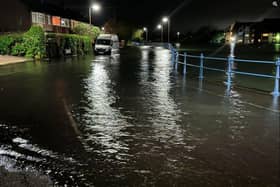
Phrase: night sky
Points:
(186, 14)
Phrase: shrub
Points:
(138, 35)
(34, 42)
(87, 30)
(7, 42)
(79, 45)
(30, 44)
(18, 50)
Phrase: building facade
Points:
(51, 23)
(266, 31)
(19, 16)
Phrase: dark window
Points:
(103, 42)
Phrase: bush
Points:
(18, 50)
(29, 44)
(34, 42)
(7, 42)
(138, 35)
(87, 30)
(79, 45)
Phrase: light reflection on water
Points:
(103, 123)
(163, 111)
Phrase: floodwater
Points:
(131, 120)
(247, 52)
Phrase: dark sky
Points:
(186, 14)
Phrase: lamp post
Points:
(160, 27)
(146, 31)
(276, 3)
(167, 20)
(178, 35)
(94, 8)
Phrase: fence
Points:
(229, 70)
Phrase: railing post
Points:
(185, 63)
(172, 55)
(170, 46)
(229, 72)
(277, 77)
(201, 66)
(177, 60)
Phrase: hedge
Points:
(32, 43)
(79, 45)
(7, 42)
(29, 44)
(87, 30)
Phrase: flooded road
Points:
(131, 120)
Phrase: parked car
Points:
(106, 44)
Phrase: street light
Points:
(160, 27)
(167, 20)
(146, 31)
(276, 3)
(95, 8)
(178, 35)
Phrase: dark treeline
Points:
(205, 34)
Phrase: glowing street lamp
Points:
(146, 31)
(94, 8)
(276, 3)
(178, 35)
(160, 27)
(167, 20)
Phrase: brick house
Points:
(19, 15)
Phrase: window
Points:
(56, 20)
(103, 42)
(65, 22)
(38, 18)
(49, 20)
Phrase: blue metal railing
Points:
(229, 70)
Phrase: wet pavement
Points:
(131, 120)
(5, 60)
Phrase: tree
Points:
(87, 30)
(137, 35)
(124, 30)
(218, 37)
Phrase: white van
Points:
(106, 44)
